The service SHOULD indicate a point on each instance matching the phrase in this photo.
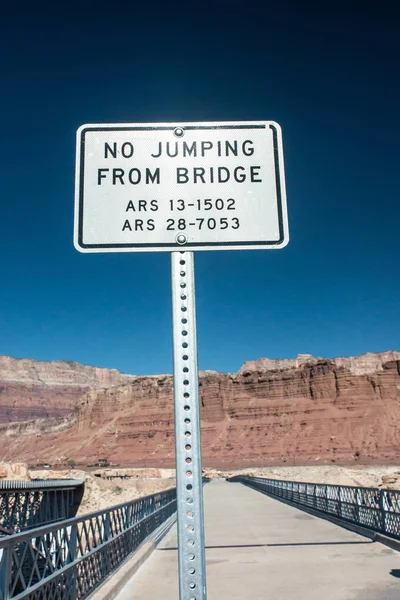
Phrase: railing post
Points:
(5, 572)
(107, 531)
(72, 554)
(358, 504)
(382, 509)
(129, 512)
(107, 527)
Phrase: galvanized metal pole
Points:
(191, 555)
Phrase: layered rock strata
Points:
(317, 411)
(35, 389)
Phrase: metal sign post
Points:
(191, 555)
(179, 188)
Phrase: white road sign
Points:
(180, 186)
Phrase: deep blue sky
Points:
(327, 72)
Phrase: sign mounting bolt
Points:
(179, 132)
(181, 239)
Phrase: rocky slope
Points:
(35, 389)
(305, 411)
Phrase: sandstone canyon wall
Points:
(300, 411)
(35, 389)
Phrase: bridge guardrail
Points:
(373, 508)
(68, 559)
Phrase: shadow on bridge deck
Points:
(259, 548)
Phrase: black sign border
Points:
(190, 245)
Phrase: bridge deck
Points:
(258, 548)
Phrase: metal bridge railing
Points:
(372, 508)
(68, 559)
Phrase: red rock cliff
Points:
(35, 389)
(270, 412)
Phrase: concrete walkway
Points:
(260, 549)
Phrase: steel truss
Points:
(28, 504)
